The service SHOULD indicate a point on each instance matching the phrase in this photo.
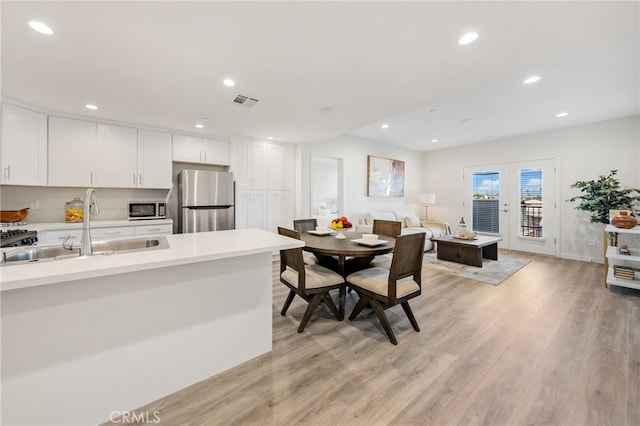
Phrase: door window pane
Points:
(486, 202)
(531, 203)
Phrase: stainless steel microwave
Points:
(139, 210)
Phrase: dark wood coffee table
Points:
(468, 252)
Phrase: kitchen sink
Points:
(134, 244)
(47, 253)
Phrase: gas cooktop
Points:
(18, 237)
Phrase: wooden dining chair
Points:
(383, 288)
(305, 225)
(302, 226)
(390, 228)
(310, 282)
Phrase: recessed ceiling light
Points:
(91, 106)
(228, 82)
(532, 79)
(468, 38)
(434, 140)
(200, 126)
(384, 126)
(562, 114)
(270, 138)
(41, 27)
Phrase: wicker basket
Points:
(13, 215)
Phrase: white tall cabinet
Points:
(24, 147)
(265, 183)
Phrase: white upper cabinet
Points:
(117, 149)
(154, 159)
(187, 149)
(190, 149)
(215, 151)
(24, 147)
(72, 152)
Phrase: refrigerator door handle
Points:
(224, 206)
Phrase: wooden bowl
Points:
(13, 215)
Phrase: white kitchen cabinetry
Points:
(117, 149)
(191, 149)
(112, 233)
(152, 230)
(613, 257)
(154, 159)
(72, 151)
(264, 171)
(58, 233)
(250, 164)
(251, 209)
(281, 210)
(281, 167)
(24, 147)
(57, 237)
(132, 158)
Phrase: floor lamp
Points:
(427, 199)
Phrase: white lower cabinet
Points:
(127, 229)
(58, 237)
(152, 230)
(112, 233)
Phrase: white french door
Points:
(515, 201)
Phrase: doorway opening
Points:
(326, 186)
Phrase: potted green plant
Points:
(604, 194)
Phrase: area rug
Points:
(492, 272)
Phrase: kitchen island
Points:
(86, 338)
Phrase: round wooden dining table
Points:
(344, 255)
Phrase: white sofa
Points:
(411, 224)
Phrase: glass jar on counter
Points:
(74, 210)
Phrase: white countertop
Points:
(50, 226)
(184, 249)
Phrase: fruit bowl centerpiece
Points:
(340, 224)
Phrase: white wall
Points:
(583, 153)
(354, 153)
(112, 202)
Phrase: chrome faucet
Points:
(90, 207)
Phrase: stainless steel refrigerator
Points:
(205, 201)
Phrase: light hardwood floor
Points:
(548, 346)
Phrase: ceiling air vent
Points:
(245, 101)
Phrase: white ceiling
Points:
(161, 64)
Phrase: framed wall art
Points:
(385, 177)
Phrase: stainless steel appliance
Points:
(18, 237)
(205, 201)
(139, 210)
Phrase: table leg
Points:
(490, 251)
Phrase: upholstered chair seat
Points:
(381, 288)
(310, 282)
